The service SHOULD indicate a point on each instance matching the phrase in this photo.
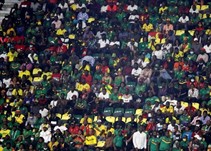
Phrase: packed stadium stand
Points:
(86, 75)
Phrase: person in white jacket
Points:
(140, 139)
(46, 135)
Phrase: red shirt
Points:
(113, 8)
(20, 47)
(190, 110)
(74, 129)
(87, 78)
(56, 76)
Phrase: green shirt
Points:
(120, 16)
(140, 88)
(114, 97)
(15, 66)
(153, 144)
(142, 46)
(118, 141)
(27, 133)
(14, 134)
(179, 74)
(184, 119)
(165, 143)
(184, 144)
(204, 91)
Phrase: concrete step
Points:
(7, 7)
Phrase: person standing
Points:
(140, 139)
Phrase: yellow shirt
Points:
(89, 120)
(51, 145)
(110, 130)
(91, 140)
(4, 132)
(98, 130)
(162, 10)
(26, 72)
(48, 74)
(148, 27)
(36, 70)
(19, 119)
(170, 109)
(80, 87)
(17, 92)
(180, 54)
(11, 56)
(61, 32)
(11, 30)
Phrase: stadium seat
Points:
(179, 32)
(184, 104)
(196, 105)
(110, 119)
(108, 111)
(100, 144)
(138, 112)
(129, 112)
(118, 112)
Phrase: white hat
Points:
(195, 39)
(99, 121)
(197, 137)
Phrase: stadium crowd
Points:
(106, 75)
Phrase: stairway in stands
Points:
(6, 8)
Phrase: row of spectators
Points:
(63, 63)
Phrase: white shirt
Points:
(32, 57)
(103, 43)
(193, 11)
(207, 48)
(158, 54)
(127, 98)
(43, 112)
(132, 8)
(63, 6)
(46, 136)
(184, 20)
(193, 93)
(89, 59)
(140, 140)
(70, 94)
(7, 82)
(61, 128)
(103, 96)
(136, 72)
(204, 56)
(132, 46)
(179, 110)
(103, 9)
(53, 103)
(132, 18)
(112, 43)
(171, 128)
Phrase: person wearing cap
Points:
(99, 128)
(195, 144)
(196, 46)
